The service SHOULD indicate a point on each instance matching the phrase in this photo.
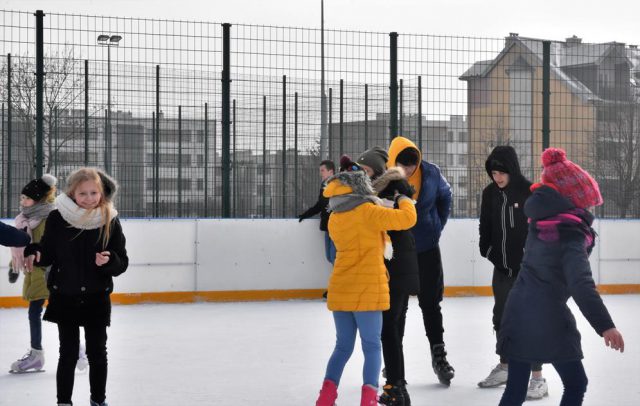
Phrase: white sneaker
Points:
(83, 362)
(537, 389)
(31, 361)
(497, 377)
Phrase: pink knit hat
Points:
(569, 179)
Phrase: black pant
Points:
(393, 321)
(96, 343)
(431, 291)
(502, 284)
(35, 323)
(573, 378)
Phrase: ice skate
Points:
(13, 276)
(497, 377)
(33, 361)
(441, 367)
(83, 362)
(328, 394)
(369, 395)
(92, 403)
(537, 389)
(392, 395)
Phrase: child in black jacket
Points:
(85, 247)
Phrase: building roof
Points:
(563, 55)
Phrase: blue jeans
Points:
(572, 374)
(347, 324)
(329, 248)
(35, 323)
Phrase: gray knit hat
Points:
(375, 158)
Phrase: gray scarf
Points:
(342, 203)
(38, 211)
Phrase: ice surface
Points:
(275, 353)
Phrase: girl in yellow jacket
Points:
(359, 285)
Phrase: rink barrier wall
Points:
(198, 260)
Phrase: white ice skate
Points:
(537, 389)
(497, 377)
(32, 361)
(83, 362)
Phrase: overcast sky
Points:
(592, 20)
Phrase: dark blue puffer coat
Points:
(537, 325)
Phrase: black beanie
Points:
(38, 188)
(408, 157)
(375, 158)
(496, 165)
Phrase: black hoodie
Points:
(503, 224)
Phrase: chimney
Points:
(573, 41)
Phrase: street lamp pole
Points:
(108, 41)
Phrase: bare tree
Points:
(63, 87)
(620, 153)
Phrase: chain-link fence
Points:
(144, 99)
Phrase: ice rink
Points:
(275, 353)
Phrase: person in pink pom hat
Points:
(569, 179)
(537, 325)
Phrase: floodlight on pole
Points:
(108, 41)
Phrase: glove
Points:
(403, 187)
(300, 218)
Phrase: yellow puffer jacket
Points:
(359, 281)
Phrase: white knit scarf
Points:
(78, 217)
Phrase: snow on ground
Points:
(275, 353)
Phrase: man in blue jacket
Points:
(433, 204)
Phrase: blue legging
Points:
(347, 324)
(572, 374)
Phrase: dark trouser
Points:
(393, 321)
(573, 378)
(35, 323)
(431, 290)
(502, 284)
(96, 343)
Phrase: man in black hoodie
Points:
(327, 169)
(503, 232)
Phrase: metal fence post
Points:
(206, 160)
(264, 156)
(234, 163)
(393, 88)
(546, 92)
(157, 136)
(366, 116)
(331, 125)
(400, 120)
(9, 138)
(179, 161)
(39, 92)
(341, 126)
(2, 165)
(226, 118)
(284, 146)
(86, 112)
(419, 121)
(155, 162)
(295, 153)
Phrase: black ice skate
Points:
(392, 395)
(441, 367)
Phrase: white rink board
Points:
(175, 255)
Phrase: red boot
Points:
(328, 394)
(369, 396)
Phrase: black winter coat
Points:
(403, 267)
(319, 208)
(503, 224)
(537, 325)
(79, 288)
